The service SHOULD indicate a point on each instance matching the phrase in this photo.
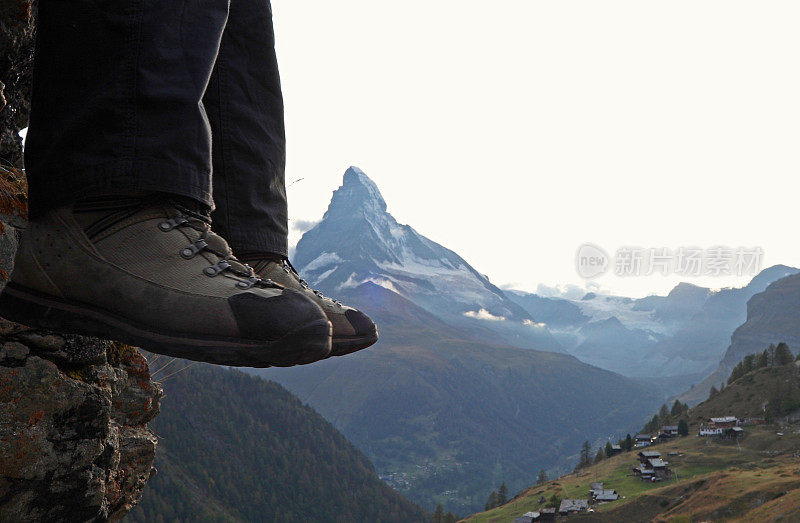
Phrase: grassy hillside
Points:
(755, 479)
(714, 481)
(233, 447)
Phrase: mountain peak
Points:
(357, 192)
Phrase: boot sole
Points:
(307, 344)
(343, 345)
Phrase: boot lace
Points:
(214, 244)
(287, 266)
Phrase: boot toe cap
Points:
(260, 317)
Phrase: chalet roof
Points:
(669, 427)
(657, 463)
(643, 436)
(650, 454)
(548, 510)
(737, 429)
(569, 505)
(616, 447)
(607, 495)
(596, 485)
(725, 419)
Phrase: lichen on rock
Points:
(73, 436)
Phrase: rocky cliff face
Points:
(73, 436)
(17, 30)
(74, 442)
(773, 316)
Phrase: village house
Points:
(644, 472)
(710, 431)
(646, 455)
(724, 423)
(573, 506)
(661, 437)
(615, 449)
(528, 517)
(651, 467)
(605, 495)
(547, 514)
(643, 440)
(670, 430)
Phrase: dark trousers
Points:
(155, 95)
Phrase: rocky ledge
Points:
(73, 436)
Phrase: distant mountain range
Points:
(466, 388)
(681, 336)
(773, 316)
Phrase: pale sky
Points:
(514, 131)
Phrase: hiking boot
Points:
(352, 329)
(154, 275)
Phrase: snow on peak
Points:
(357, 192)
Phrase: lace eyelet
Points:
(213, 270)
(168, 225)
(192, 250)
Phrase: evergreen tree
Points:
(783, 355)
(502, 494)
(677, 408)
(736, 373)
(683, 428)
(608, 449)
(663, 414)
(554, 501)
(599, 456)
(450, 518)
(749, 363)
(438, 515)
(628, 442)
(542, 477)
(586, 458)
(491, 502)
(762, 360)
(713, 392)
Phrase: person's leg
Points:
(245, 109)
(116, 100)
(119, 243)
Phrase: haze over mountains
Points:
(472, 385)
(681, 336)
(466, 389)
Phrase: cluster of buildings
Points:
(666, 433)
(651, 467)
(728, 427)
(597, 494)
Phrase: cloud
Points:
(568, 291)
(531, 323)
(302, 225)
(483, 314)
